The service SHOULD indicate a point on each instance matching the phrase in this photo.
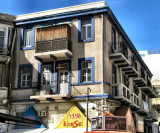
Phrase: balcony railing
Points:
(154, 115)
(135, 100)
(3, 51)
(120, 48)
(120, 91)
(144, 108)
(53, 45)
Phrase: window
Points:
(86, 29)
(46, 74)
(114, 75)
(25, 76)
(125, 80)
(113, 39)
(86, 70)
(27, 38)
(1, 39)
(143, 97)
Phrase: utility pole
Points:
(87, 97)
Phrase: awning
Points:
(39, 130)
(7, 117)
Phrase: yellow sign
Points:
(74, 119)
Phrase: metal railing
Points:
(119, 47)
(3, 51)
(53, 45)
(120, 91)
(49, 87)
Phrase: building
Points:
(151, 58)
(6, 41)
(60, 53)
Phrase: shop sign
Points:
(110, 123)
(74, 118)
(29, 114)
(140, 126)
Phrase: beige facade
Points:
(115, 73)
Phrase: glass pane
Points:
(26, 70)
(28, 77)
(28, 37)
(1, 42)
(89, 32)
(89, 71)
(23, 77)
(89, 64)
(89, 77)
(23, 83)
(84, 33)
(84, 72)
(84, 78)
(28, 82)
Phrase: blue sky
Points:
(139, 18)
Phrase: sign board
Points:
(74, 118)
(29, 114)
(115, 123)
(140, 126)
(109, 123)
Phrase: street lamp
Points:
(87, 97)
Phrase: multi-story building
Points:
(6, 37)
(60, 53)
(151, 58)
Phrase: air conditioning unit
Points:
(42, 113)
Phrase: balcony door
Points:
(46, 79)
(63, 79)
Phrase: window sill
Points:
(27, 48)
(86, 83)
(89, 40)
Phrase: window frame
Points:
(113, 39)
(23, 36)
(80, 60)
(80, 30)
(20, 75)
(115, 68)
(5, 29)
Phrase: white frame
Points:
(85, 27)
(86, 68)
(25, 36)
(5, 29)
(46, 72)
(22, 75)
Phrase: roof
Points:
(7, 117)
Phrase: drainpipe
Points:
(102, 41)
(102, 58)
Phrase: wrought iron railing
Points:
(119, 47)
(3, 51)
(53, 45)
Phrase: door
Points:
(46, 80)
(63, 79)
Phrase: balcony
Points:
(152, 116)
(53, 43)
(119, 55)
(144, 108)
(4, 55)
(131, 70)
(139, 81)
(3, 95)
(156, 101)
(135, 101)
(121, 92)
(51, 91)
(150, 90)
